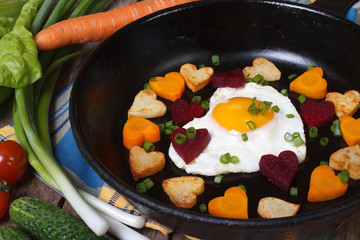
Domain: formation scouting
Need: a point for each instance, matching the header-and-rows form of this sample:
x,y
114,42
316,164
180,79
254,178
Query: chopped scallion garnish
x,y
284,92
290,115
234,160
344,177
149,183
335,128
201,65
148,146
294,191
147,86
205,105
244,137
302,98
141,187
313,132
161,127
310,67
225,158
180,138
276,108
167,131
324,141
295,138
169,124
297,141
251,125
191,133
196,99
203,208
323,163
153,79
215,60
218,178
242,187
292,76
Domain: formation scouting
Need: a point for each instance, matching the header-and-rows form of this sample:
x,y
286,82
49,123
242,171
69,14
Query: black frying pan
x,y
293,36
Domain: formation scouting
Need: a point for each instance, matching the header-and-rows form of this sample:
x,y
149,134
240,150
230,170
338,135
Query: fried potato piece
x,y
183,191
196,79
265,68
345,104
271,207
348,159
146,105
143,164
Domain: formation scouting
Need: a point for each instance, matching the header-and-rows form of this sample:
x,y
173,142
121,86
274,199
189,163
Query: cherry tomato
x,y
13,161
4,197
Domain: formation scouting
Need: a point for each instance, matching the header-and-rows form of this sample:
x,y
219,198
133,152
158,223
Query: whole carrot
x,y
97,27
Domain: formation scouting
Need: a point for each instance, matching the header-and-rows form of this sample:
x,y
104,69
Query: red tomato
x,y
4,198
13,161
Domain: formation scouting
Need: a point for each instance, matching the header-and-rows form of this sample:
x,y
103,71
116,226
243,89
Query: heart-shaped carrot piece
x,y
311,84
234,204
350,129
170,87
325,185
138,130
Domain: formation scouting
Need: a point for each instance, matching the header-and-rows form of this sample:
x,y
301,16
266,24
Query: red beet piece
x,y
279,170
183,112
234,79
190,149
317,113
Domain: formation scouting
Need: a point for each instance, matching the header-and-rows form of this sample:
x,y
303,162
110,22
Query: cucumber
x,y
13,233
43,221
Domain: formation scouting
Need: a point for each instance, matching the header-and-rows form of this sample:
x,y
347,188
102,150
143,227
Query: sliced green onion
x,y
196,99
147,86
251,125
172,128
201,65
258,78
205,105
169,123
310,67
191,133
290,115
253,110
302,98
292,76
215,60
148,183
218,178
276,108
161,127
153,79
288,137
225,158
264,83
141,187
297,141
234,160
242,187
180,138
149,146
313,132
335,128
244,137
284,92
267,103
323,163
167,131
294,191
344,177
203,208
324,141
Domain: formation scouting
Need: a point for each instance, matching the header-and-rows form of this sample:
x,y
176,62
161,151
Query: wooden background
x,y
33,187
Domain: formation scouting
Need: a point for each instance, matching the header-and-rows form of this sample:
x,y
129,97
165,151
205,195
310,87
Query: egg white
x,y
267,139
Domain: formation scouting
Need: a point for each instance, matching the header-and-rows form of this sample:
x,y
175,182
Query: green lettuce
x,y
19,64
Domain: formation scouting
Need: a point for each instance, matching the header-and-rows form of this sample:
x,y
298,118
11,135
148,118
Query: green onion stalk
x,y
30,115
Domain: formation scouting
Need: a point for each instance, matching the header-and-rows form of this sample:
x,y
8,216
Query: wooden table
x,y
31,186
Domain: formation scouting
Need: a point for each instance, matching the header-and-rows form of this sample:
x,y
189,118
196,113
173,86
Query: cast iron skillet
x,y
292,36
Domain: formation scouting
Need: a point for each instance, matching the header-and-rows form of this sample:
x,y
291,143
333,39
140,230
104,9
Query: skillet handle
x,y
337,7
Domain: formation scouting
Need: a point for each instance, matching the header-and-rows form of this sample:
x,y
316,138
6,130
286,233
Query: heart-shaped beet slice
x,y
279,170
183,112
317,113
192,148
234,79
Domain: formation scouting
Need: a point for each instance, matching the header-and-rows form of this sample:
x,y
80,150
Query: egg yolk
x,y
234,114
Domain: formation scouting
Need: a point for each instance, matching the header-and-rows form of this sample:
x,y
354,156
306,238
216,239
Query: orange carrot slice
x,y
350,129
138,130
311,84
170,87
324,185
234,204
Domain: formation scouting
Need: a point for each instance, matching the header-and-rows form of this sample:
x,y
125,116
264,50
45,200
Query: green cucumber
x,y
44,221
13,233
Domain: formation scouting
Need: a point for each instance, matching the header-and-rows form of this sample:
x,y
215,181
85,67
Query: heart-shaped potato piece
x,y
196,79
146,105
183,191
265,68
345,104
348,159
143,164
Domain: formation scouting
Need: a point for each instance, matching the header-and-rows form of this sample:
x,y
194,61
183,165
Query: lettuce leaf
x,y
19,64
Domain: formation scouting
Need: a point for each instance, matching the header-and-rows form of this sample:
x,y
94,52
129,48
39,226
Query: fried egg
x,y
228,119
